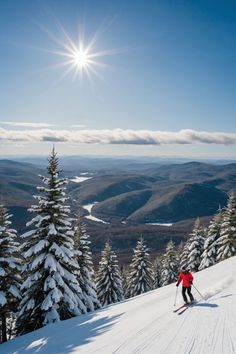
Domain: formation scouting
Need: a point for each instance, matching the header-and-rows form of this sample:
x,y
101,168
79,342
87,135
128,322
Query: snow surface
x,y
79,179
89,207
147,323
159,224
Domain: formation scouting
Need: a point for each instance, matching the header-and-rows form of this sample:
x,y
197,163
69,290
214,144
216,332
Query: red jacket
x,y
187,279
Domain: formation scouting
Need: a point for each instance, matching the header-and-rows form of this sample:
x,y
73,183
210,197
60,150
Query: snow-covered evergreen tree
x,y
183,258
86,271
210,246
195,246
108,279
157,272
9,273
50,290
124,277
140,279
170,264
226,244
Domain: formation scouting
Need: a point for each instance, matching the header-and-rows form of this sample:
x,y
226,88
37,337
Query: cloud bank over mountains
x,y
28,124
118,136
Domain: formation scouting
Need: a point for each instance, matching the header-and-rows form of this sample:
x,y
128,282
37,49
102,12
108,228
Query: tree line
x,y
50,276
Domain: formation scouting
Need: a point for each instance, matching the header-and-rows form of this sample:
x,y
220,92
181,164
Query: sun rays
x,y
78,58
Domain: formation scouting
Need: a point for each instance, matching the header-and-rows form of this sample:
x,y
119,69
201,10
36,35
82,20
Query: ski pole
x,y
176,295
199,292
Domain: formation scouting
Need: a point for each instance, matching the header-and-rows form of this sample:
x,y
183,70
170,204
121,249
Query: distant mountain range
x,y
161,194
129,193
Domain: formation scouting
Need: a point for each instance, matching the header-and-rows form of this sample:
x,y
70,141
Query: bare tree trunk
x,y
4,328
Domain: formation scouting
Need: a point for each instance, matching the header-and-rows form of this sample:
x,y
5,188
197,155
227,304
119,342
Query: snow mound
x,y
147,323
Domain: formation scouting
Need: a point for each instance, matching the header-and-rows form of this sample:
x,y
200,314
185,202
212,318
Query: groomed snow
x,y
147,324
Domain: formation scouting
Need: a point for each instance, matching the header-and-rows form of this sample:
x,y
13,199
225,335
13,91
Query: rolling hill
x,y
168,193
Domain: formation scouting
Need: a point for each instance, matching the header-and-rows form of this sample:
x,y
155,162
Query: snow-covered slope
x,y
147,324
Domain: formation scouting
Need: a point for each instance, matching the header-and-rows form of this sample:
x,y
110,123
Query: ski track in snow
x,y
147,324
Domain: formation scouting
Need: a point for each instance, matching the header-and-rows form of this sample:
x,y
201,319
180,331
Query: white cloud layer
x,y
78,126
118,136
28,124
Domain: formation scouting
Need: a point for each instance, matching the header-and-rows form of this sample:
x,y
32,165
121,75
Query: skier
x,y
187,279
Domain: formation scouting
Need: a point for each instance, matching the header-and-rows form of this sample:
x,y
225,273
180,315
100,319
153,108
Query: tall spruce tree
x,y
86,271
210,246
50,290
226,244
124,277
108,279
195,246
157,272
140,279
170,264
183,258
9,273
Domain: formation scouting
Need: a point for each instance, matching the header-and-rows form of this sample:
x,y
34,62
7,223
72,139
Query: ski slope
x,y
147,323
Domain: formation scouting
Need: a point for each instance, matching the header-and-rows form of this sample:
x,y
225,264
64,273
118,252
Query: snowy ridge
x,y
147,324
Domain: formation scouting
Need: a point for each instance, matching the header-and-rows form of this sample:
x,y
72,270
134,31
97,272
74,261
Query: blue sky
x,y
173,68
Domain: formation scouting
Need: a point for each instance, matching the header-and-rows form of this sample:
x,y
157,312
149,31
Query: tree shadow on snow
x,y
64,337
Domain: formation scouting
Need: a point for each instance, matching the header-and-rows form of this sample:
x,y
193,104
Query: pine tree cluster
x,y
206,247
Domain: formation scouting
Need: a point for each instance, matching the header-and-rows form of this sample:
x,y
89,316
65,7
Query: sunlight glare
x,y
80,58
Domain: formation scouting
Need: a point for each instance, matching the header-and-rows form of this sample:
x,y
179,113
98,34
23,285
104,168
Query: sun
x,y
80,58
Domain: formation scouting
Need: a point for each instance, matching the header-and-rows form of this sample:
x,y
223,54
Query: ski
x,y
191,304
185,308
179,308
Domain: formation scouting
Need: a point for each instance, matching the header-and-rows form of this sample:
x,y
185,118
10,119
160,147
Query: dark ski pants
x,y
188,289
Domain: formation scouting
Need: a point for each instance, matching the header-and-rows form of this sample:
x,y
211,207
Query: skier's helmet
x,y
185,270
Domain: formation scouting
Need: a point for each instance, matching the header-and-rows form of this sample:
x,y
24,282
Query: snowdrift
x,y
147,323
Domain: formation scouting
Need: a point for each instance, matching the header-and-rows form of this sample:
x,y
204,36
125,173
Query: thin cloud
x,y
78,126
28,124
119,136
